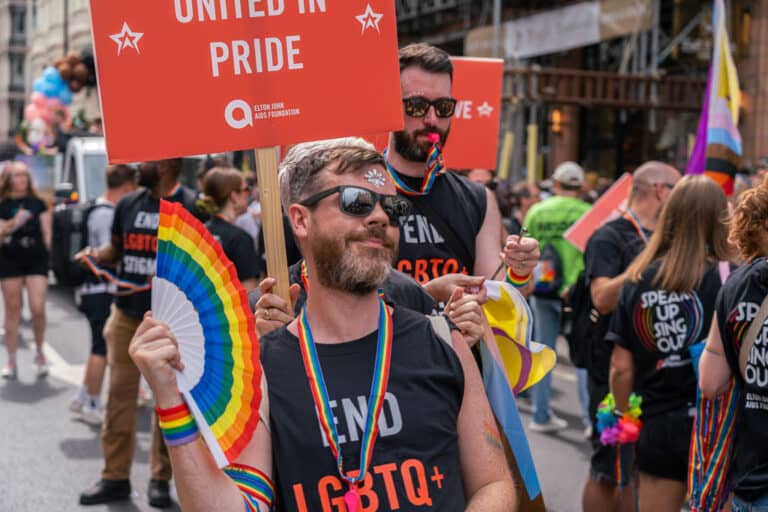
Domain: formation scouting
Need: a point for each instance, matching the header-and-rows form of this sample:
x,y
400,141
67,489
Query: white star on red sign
x,y
127,39
369,19
485,110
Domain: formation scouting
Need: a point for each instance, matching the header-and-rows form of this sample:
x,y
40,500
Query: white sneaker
x,y
42,366
92,414
76,405
588,432
554,424
9,371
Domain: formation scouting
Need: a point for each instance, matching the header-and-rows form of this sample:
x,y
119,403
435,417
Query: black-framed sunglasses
x,y
360,202
418,106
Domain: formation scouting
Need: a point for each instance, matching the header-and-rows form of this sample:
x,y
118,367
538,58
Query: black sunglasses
x,y
360,202
418,106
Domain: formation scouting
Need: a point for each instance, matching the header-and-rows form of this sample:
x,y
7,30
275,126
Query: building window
x,y
17,71
18,24
16,116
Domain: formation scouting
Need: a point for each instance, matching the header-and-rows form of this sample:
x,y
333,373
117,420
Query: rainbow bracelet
x,y
177,425
254,485
516,280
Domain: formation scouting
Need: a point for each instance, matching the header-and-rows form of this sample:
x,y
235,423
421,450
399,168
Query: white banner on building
x,y
553,31
562,29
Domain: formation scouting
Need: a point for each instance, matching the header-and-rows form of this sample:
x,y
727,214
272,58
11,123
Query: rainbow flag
x,y
718,149
711,445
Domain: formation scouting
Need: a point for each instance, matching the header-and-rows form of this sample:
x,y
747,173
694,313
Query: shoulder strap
x,y
454,242
441,328
751,337
724,268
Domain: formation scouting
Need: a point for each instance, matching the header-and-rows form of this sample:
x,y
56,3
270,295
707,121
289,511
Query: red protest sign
x,y
474,138
610,205
199,76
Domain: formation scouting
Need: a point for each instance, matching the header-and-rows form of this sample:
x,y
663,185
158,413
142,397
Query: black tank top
x,y
425,252
415,463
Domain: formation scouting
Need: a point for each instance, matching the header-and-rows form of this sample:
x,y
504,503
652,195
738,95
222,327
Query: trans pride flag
x,y
717,151
511,364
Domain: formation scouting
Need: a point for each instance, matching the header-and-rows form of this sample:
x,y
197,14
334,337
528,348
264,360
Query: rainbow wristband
x,y
254,485
516,280
177,425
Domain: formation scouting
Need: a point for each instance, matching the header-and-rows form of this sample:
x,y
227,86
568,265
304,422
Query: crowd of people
x,y
679,265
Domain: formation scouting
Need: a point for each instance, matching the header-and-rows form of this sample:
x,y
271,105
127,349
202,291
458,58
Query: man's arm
x,y
488,241
488,484
201,485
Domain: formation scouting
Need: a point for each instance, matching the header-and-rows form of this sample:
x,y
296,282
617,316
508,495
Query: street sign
x,y
474,139
193,76
610,206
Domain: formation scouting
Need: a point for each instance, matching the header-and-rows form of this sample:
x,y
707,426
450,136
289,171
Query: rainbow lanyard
x,y
130,287
636,222
305,276
434,168
375,400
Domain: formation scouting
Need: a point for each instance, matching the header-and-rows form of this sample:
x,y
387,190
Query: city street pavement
x,y
47,457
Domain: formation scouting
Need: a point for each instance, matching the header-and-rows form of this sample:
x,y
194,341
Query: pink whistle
x,y
433,137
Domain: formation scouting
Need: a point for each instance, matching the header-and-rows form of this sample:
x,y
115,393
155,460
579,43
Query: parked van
x,y
80,176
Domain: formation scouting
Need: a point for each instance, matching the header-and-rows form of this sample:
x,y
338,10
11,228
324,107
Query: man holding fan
x,y
425,439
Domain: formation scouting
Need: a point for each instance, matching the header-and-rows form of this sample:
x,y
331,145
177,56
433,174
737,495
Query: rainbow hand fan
x,y
197,294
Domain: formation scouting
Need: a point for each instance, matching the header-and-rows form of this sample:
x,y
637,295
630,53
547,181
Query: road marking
x,y
61,369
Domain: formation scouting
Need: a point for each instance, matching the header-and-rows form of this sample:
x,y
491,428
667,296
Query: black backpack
x,y
548,274
580,321
70,235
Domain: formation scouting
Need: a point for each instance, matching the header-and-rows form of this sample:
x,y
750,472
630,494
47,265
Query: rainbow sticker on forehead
x,y
375,178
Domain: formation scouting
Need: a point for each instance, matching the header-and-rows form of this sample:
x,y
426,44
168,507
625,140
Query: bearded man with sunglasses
x,y
404,423
455,225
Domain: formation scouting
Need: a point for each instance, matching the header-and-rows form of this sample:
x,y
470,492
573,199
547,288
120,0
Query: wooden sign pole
x,y
272,220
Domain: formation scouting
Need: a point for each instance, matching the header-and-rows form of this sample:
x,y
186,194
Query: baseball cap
x,y
569,174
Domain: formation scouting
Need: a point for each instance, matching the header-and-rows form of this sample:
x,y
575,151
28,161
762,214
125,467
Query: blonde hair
x,y
690,235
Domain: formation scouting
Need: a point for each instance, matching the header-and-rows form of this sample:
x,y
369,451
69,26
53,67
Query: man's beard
x,y
148,177
357,271
409,148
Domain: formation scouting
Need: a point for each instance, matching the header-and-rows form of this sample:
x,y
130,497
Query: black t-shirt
x,y
27,240
237,245
134,235
737,305
399,288
658,326
415,463
609,252
425,253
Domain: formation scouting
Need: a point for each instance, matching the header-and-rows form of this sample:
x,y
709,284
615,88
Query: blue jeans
x,y
581,375
546,327
759,505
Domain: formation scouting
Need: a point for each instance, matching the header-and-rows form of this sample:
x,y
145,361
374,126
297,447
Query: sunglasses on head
x,y
418,106
360,202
